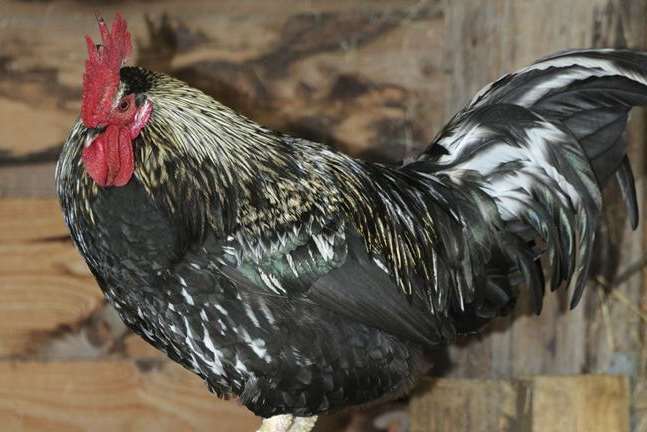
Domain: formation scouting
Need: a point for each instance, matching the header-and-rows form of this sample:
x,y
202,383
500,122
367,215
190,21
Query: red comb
x,y
101,76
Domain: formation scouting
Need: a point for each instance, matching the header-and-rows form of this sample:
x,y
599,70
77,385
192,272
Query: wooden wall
x,y
375,78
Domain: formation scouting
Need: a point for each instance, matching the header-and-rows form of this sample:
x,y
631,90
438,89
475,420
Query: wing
x,y
327,265
540,144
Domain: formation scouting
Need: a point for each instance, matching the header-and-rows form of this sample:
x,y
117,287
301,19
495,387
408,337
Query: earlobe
x,y
140,99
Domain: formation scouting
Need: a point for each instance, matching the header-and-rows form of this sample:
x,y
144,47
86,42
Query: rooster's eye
x,y
123,105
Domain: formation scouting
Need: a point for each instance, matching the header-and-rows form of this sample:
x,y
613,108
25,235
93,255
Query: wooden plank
x,y
44,284
27,180
445,405
33,306
112,396
23,220
590,403
56,257
580,404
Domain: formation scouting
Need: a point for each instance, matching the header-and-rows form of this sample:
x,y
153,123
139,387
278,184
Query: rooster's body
x,y
303,281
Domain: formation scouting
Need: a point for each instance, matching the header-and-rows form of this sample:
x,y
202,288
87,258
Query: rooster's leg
x,y
288,423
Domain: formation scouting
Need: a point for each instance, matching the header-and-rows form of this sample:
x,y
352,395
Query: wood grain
x,y
33,306
589,403
136,347
579,404
23,220
44,284
112,396
458,405
30,180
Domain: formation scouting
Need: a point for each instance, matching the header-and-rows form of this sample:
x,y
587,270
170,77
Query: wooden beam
x,y
588,403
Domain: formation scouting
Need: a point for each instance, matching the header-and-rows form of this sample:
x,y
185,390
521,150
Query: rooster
x,y
302,281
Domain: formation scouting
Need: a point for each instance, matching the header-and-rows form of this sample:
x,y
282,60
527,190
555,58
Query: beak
x,y
92,133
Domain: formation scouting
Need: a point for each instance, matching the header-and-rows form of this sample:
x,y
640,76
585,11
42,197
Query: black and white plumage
x,y
304,281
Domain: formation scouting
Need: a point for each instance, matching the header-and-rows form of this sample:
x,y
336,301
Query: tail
x,y
591,92
539,145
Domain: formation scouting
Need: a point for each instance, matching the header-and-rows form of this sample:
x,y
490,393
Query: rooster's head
x,y
113,112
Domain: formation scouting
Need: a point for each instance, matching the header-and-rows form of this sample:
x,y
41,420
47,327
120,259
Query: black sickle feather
x,y
625,179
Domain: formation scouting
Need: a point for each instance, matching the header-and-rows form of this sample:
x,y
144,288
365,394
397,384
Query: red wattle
x,y
109,159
